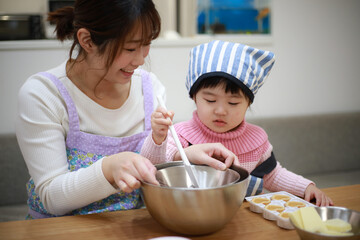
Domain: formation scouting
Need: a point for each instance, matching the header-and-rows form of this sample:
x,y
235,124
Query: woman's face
x,y
129,58
220,111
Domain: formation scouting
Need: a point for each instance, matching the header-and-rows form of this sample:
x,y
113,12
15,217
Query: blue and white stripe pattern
x,y
240,63
255,186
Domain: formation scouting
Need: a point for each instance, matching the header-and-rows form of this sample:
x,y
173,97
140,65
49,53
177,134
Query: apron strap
x,y
148,98
256,176
255,186
265,167
71,108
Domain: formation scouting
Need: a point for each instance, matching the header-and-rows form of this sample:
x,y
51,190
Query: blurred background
x,y
316,43
309,105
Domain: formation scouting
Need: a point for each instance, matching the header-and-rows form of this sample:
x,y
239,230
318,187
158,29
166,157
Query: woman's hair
x,y
109,22
212,82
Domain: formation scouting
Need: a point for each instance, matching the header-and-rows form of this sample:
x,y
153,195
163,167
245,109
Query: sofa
x,y
324,148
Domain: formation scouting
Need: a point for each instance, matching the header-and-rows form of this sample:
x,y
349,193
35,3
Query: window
x,y
188,18
233,16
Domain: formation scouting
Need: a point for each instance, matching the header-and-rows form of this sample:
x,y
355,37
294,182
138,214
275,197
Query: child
x,y
223,79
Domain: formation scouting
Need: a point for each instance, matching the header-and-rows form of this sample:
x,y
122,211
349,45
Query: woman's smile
x,y
127,73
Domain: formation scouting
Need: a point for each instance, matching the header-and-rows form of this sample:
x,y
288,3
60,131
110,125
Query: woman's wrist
x,y
107,170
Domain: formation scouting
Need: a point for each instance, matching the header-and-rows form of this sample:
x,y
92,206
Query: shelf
x,y
252,39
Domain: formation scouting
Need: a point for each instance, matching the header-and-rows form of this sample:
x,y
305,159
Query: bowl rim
x,y
180,163
191,189
206,166
326,235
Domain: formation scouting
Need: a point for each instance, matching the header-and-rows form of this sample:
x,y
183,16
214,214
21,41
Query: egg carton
x,y
276,206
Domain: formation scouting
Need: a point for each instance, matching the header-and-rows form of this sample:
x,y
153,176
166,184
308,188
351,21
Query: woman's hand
x,y
211,154
127,170
160,124
321,198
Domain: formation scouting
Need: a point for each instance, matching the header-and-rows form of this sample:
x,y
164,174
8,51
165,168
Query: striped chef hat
x,y
246,66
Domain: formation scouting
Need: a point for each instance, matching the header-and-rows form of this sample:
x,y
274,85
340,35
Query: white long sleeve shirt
x,y
41,129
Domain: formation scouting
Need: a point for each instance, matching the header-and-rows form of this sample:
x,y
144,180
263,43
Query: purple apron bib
x,y
83,149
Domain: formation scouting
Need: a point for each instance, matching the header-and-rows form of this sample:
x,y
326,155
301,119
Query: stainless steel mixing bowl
x,y
194,211
177,177
348,215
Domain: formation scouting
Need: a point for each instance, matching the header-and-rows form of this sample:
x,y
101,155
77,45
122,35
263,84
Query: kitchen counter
x,y
138,224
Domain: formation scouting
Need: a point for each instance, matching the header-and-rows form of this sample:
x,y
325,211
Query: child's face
x,y
220,111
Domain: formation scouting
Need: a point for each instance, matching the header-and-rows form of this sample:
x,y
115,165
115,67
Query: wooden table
x,y
138,224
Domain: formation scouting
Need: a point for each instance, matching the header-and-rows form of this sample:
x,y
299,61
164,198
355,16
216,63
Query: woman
x,y
81,124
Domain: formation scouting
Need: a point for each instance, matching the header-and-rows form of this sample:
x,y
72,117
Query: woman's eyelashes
x,y
134,48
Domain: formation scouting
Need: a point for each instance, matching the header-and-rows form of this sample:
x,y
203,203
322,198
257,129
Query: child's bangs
x,y
228,85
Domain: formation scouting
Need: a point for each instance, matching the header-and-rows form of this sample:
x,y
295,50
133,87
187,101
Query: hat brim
x,y
231,78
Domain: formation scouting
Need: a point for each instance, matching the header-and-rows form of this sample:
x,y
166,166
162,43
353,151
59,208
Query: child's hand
x,y
321,199
160,124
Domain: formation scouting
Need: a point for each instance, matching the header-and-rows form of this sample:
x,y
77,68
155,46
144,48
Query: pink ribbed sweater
x,y
249,143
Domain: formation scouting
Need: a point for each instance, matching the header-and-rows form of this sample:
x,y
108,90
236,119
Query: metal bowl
x,y
176,177
348,215
194,211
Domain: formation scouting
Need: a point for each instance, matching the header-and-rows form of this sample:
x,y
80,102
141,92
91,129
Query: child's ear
x,y
249,102
193,98
84,38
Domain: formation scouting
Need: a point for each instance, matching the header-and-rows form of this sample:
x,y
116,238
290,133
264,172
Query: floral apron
x,y
83,149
